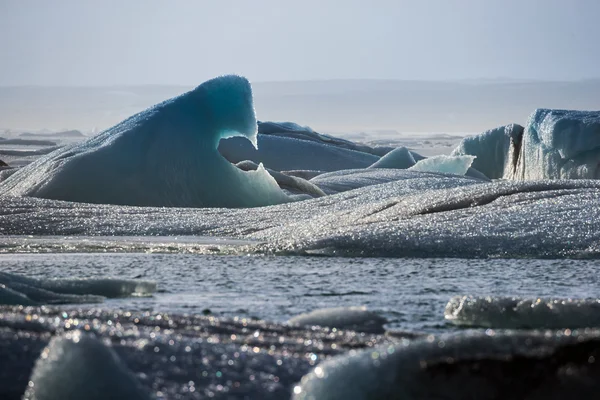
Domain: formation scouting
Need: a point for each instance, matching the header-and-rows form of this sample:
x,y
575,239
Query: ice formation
x,y
399,158
491,365
288,153
559,144
78,366
512,312
164,156
172,356
18,289
456,165
420,215
353,318
494,150
555,144
345,180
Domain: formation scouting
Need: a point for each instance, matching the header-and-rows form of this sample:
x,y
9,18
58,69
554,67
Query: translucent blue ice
x,y
163,156
559,144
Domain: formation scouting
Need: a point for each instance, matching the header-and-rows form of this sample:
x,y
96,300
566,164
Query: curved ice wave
x,y
514,312
546,365
18,289
78,366
163,156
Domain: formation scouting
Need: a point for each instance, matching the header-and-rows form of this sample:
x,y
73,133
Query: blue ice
x,y
163,156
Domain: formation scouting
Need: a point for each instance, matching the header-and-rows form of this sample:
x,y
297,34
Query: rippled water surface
x,y
411,293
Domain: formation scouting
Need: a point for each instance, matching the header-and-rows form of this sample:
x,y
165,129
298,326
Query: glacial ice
x,y
514,312
18,289
423,215
555,144
399,158
457,165
172,356
283,153
163,156
345,180
77,366
293,130
347,318
559,144
493,150
490,365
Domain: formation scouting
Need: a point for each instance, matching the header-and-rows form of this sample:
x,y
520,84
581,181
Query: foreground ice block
x,y
559,144
491,365
163,156
78,366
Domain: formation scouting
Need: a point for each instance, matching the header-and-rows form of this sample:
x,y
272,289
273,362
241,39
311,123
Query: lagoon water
x,y
410,292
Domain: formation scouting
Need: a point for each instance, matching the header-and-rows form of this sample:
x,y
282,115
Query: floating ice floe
x,y
76,366
514,312
17,289
494,365
164,156
351,318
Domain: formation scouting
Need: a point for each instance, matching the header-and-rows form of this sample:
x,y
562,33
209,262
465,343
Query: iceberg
x,y
163,156
494,150
472,365
283,153
559,144
399,158
77,366
519,313
555,144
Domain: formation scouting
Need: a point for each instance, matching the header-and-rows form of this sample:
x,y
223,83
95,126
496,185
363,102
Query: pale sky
x,y
85,42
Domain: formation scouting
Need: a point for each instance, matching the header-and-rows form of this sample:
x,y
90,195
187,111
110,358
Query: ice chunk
x,y
514,312
289,183
293,130
78,366
344,318
456,165
342,181
493,149
491,365
287,153
559,144
106,287
400,158
163,156
61,291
